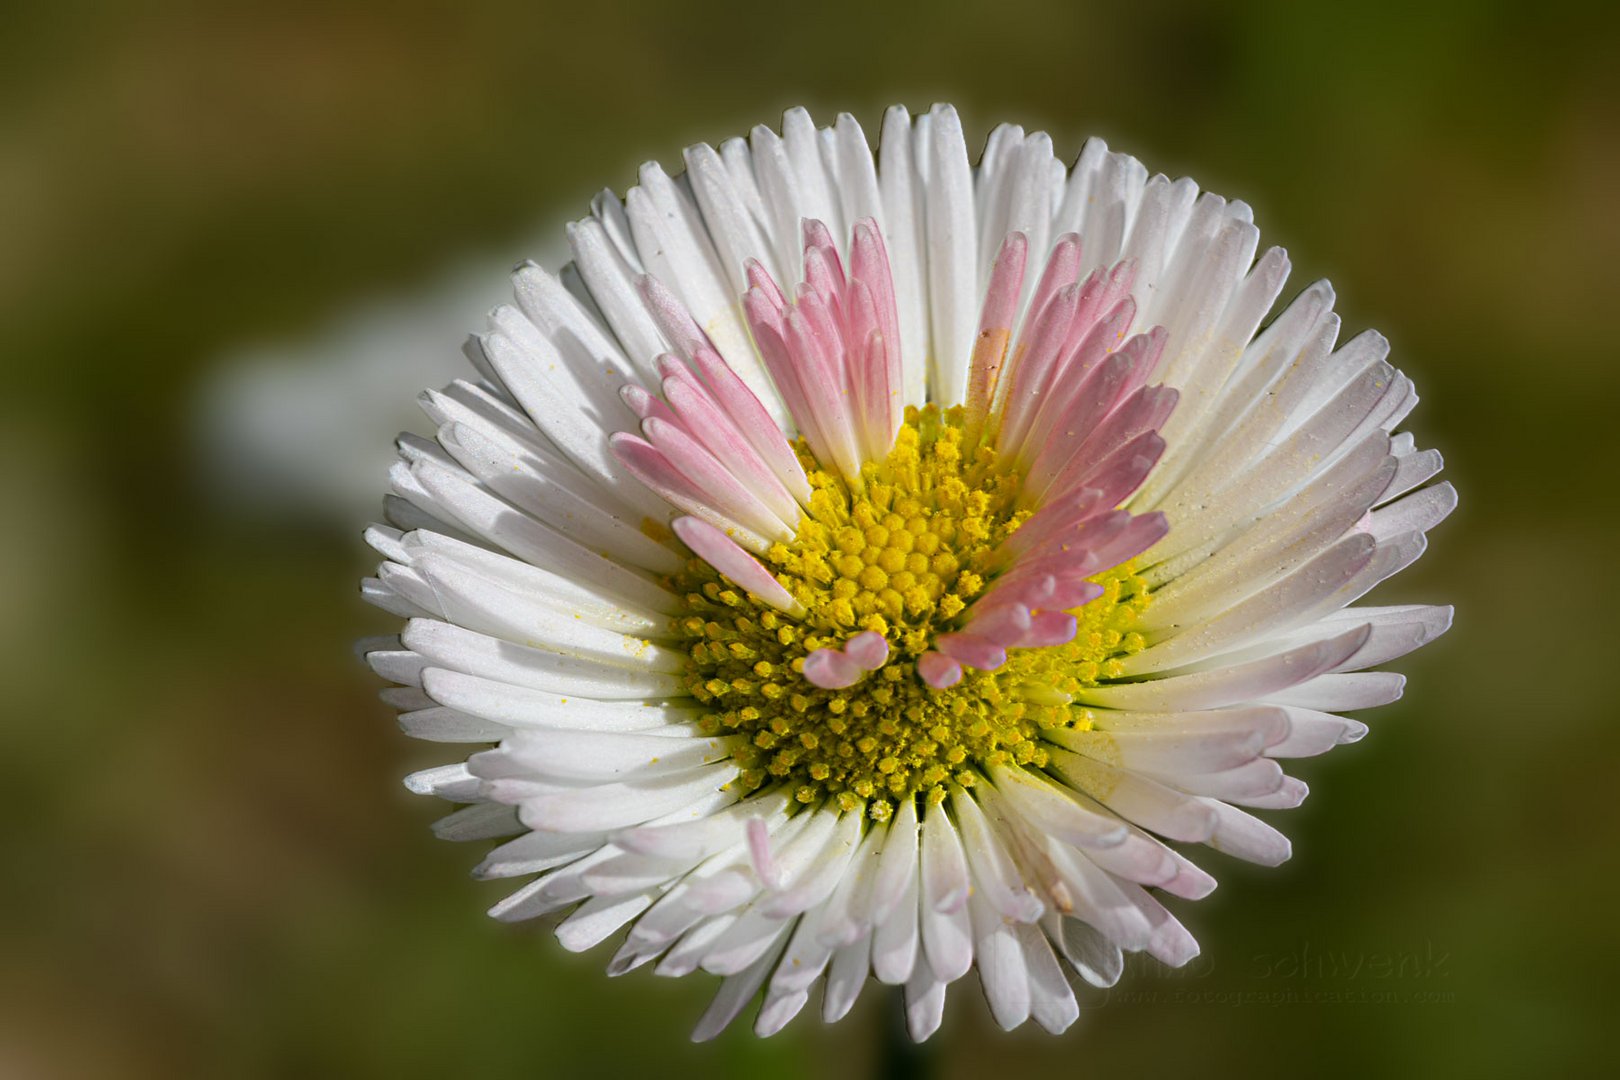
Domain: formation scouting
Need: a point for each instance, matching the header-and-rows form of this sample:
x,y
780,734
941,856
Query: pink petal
x,y
754,422
643,404
722,488
869,649
1003,624
671,315
831,669
1062,270
971,650
704,420
1047,628
721,552
938,670
995,327
760,278
647,464
1034,365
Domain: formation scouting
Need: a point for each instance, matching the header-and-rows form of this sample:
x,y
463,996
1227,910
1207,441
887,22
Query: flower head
x,y
872,567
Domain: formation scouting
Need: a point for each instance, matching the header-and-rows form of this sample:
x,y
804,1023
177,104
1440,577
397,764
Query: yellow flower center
x,y
902,556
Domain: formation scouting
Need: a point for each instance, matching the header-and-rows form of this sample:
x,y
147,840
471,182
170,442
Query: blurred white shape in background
x,y
302,431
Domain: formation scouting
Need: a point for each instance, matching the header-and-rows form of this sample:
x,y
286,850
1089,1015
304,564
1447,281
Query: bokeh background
x,y
238,237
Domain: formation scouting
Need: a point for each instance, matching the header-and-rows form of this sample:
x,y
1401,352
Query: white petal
x,y
450,646
1051,1000
895,941
519,706
1246,837
536,851
616,806
777,1011
843,919
1097,959
700,839
438,724
753,935
602,605
557,494
1055,811
1003,970
452,782
952,263
846,978
476,603
1342,692
897,863
677,250
903,235
945,880
598,918
735,992
947,938
1312,732
1257,679
480,821
806,957
925,1002
1136,798
601,756
612,282
996,876
821,875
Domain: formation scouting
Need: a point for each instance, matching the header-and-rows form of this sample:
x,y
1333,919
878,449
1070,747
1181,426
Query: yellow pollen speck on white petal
x,y
904,556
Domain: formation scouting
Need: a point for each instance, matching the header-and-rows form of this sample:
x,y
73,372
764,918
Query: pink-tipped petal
x,y
1003,624
759,852
878,399
820,282
995,328
831,669
698,413
1074,376
649,465
1113,465
1118,475
823,269
1059,516
1075,592
643,404
1062,270
818,238
1048,628
938,670
769,326
1032,368
674,321
754,422
1023,592
760,278
869,649
869,265
730,560
971,650
1100,297
869,268
821,373
1071,415
709,476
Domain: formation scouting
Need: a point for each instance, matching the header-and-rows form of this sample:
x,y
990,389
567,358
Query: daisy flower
x,y
881,566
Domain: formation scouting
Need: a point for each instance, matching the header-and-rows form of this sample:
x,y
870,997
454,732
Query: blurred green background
x,y
211,868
